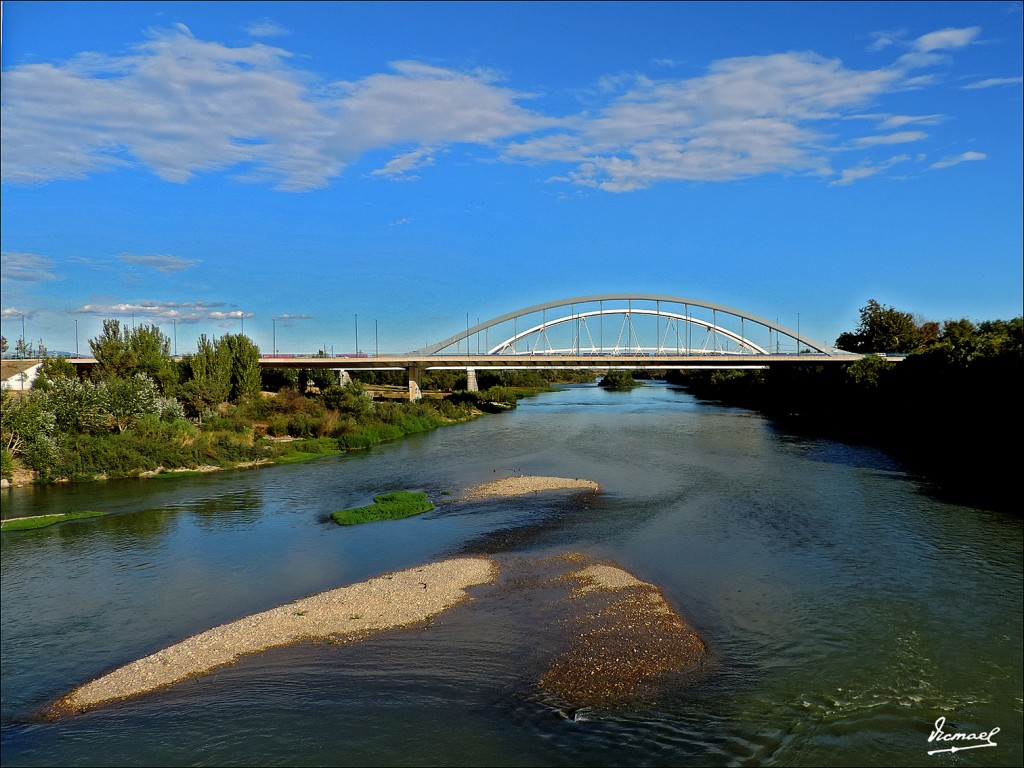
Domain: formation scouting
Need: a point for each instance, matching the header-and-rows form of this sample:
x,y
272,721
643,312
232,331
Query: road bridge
x,y
606,331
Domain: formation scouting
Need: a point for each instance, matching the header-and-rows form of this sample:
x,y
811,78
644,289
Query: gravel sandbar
x,y
624,644
386,602
523,484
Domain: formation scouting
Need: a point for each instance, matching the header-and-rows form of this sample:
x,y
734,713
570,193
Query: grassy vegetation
x,y
386,506
42,521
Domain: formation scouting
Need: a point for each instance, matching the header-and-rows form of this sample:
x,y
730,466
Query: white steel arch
x,y
715,326
508,346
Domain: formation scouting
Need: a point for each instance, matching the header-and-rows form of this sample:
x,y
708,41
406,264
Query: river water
x,y
845,608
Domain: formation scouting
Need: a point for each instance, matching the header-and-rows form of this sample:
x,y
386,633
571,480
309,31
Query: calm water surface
x,y
846,609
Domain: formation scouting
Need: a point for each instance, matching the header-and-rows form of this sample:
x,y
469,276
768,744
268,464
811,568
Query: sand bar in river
x,y
393,600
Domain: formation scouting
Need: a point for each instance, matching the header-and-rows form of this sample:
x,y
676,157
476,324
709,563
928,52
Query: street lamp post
x,y
76,338
357,334
274,346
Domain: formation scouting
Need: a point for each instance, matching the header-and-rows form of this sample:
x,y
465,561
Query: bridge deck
x,y
482,361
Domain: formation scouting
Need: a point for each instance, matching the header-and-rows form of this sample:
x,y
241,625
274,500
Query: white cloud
x,y
995,81
26,267
964,157
902,137
165,264
182,106
946,38
11,313
294,317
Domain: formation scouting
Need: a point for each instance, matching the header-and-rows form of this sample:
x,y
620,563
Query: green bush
x,y
386,506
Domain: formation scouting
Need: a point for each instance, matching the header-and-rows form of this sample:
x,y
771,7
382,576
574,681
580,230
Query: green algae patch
x,y
42,521
386,506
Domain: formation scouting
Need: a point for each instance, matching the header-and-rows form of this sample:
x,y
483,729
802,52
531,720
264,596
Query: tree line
x,y
141,409
951,409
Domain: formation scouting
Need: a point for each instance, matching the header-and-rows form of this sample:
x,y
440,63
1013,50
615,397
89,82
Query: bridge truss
x,y
628,324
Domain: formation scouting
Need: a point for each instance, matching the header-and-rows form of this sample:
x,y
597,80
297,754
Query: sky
x,y
301,170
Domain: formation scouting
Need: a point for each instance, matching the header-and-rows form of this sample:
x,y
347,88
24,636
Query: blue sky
x,y
214,165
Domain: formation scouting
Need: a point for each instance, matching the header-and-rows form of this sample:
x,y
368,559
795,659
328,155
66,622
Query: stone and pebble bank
x,y
623,644
355,612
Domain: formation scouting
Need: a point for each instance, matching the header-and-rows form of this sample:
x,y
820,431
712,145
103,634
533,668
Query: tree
x,y
53,368
882,329
113,352
3,345
129,399
246,380
77,406
152,352
27,431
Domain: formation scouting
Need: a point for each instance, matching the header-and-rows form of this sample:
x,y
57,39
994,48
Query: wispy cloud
x,y
993,82
964,157
165,264
26,267
866,170
11,313
266,28
183,106
294,317
403,166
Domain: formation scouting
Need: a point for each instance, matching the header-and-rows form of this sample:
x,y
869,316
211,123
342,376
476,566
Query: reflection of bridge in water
x,y
608,331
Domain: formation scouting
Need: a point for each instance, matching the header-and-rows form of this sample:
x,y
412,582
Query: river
x,y
845,607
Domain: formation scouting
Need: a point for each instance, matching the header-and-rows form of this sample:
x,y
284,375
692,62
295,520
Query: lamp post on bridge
x,y
274,346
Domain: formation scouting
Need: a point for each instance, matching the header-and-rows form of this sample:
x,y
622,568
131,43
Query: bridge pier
x,y
343,377
471,385
415,382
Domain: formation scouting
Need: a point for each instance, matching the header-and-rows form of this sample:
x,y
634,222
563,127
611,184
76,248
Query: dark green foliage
x,y
386,506
882,329
276,379
444,380
349,399
620,380
381,378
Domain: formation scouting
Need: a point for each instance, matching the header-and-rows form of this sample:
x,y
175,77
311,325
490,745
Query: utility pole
x,y
76,338
274,321
357,334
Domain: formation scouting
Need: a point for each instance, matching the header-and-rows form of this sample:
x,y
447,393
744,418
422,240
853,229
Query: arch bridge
x,y
606,331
